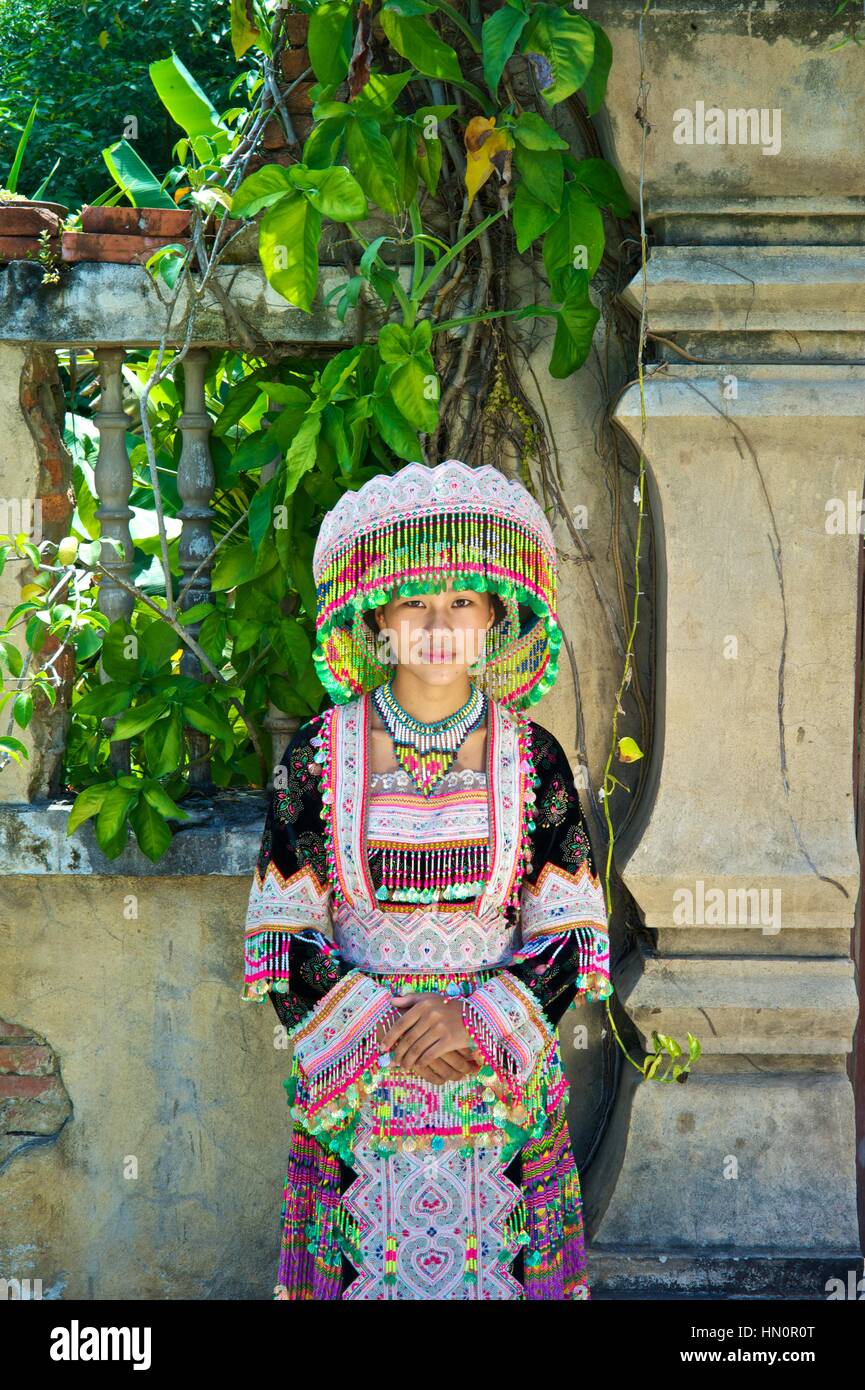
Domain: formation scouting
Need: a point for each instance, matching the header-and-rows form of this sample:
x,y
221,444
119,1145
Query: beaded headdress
x,y
425,528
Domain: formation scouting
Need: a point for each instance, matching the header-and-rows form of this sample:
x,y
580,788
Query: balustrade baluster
x,y
113,480
195,483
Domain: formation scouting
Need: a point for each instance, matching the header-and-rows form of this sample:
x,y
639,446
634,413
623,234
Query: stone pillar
x,y
742,1181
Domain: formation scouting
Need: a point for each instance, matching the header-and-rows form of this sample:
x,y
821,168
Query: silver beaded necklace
x,y
426,751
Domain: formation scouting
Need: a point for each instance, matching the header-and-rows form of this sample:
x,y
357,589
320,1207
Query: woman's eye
x,y
409,602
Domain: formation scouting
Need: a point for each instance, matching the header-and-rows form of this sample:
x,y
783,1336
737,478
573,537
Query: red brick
x,y
159,222
23,1087
21,1060
122,250
22,220
14,1030
18,248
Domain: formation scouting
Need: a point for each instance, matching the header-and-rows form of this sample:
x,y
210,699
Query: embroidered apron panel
x,y
447,1215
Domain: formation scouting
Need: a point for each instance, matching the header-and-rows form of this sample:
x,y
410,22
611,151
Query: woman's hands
x,y
430,1039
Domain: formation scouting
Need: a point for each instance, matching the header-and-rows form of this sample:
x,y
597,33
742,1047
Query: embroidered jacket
x,y
330,946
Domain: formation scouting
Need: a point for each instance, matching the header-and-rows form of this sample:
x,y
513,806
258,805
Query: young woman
x,y
426,906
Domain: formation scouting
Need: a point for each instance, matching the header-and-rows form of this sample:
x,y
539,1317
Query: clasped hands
x,y
430,1039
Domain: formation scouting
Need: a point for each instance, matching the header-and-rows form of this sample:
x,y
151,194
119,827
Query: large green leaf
x,y
135,721
324,143
120,653
578,225
595,86
565,47
104,700
543,174
602,183
499,39
151,832
576,325
395,429
133,177
261,513
235,564
186,103
372,162
381,91
157,643
404,143
302,454
335,192
531,217
260,190
171,746
292,643
414,388
532,130
416,40
111,819
288,238
208,721
86,804
159,799
329,40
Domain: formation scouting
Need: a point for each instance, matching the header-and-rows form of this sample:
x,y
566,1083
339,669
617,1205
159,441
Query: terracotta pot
x,y
124,249
147,222
27,219
24,248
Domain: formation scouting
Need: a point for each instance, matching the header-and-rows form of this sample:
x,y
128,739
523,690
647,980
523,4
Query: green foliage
x,y
325,425
87,61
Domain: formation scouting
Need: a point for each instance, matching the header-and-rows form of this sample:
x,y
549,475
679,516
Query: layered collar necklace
x,y
426,751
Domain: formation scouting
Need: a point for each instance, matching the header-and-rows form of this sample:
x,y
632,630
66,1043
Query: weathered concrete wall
x,y
165,1179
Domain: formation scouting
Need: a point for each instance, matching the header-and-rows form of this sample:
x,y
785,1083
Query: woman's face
x,y
438,634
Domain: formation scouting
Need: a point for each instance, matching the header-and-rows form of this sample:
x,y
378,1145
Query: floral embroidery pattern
x,y
543,748
288,800
289,1008
555,803
575,846
321,972
311,850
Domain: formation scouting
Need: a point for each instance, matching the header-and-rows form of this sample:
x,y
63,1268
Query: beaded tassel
x,y
389,1276
453,871
470,1264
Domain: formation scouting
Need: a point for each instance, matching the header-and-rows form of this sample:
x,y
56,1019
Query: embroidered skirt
x,y
426,1225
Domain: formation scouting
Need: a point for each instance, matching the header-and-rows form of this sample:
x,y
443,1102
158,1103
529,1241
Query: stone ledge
x,y
223,838
744,1004
754,289
108,305
719,1274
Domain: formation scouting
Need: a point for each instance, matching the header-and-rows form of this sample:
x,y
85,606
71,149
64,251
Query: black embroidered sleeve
x,y
565,944
289,950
